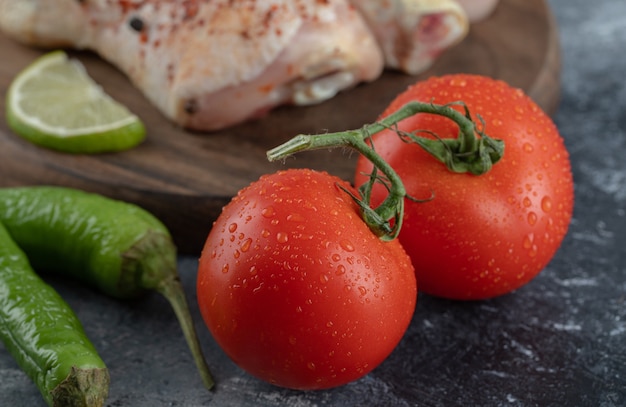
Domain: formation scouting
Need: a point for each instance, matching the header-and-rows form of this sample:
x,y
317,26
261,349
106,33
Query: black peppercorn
x,y
136,24
191,106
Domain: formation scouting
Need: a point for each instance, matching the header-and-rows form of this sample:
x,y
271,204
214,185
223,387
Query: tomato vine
x,y
466,153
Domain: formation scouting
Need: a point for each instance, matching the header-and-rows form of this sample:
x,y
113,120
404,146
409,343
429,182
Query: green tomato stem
x,y
466,153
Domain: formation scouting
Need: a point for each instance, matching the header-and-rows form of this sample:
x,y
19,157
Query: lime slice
x,y
54,103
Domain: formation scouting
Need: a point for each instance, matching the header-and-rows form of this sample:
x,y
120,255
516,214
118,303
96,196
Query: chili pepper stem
x,y
466,153
172,290
159,273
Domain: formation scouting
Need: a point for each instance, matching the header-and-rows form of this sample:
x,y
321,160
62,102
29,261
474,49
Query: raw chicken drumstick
x,y
209,64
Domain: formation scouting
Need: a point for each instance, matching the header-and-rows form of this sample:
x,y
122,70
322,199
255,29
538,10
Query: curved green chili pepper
x,y
115,246
44,335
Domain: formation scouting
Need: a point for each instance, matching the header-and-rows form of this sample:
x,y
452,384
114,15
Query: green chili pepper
x,y
44,335
115,246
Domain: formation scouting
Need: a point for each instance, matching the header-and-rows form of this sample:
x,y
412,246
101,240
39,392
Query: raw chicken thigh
x,y
210,64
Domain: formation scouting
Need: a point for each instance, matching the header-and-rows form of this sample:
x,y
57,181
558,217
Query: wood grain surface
x,y
185,178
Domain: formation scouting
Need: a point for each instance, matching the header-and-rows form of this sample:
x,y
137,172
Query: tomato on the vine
x,y
478,236
296,288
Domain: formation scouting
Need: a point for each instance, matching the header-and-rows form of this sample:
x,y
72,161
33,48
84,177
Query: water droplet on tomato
x,y
528,241
310,365
346,245
528,147
362,290
245,246
458,82
268,212
282,237
341,269
336,257
532,218
324,278
295,217
546,204
265,233
232,227
225,268
527,202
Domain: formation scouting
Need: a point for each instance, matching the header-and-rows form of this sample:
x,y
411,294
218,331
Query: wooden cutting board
x,y
186,178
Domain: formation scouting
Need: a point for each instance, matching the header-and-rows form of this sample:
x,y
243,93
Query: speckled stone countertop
x,y
559,341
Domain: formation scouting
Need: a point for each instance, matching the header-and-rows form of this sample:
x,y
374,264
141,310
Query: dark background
x,y
559,341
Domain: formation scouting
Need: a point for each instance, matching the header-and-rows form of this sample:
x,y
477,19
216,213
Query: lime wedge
x,y
56,104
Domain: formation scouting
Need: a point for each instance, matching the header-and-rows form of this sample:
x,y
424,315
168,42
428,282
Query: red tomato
x,y
480,236
295,287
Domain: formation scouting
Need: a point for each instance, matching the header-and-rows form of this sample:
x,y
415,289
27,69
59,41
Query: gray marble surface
x,y
559,341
